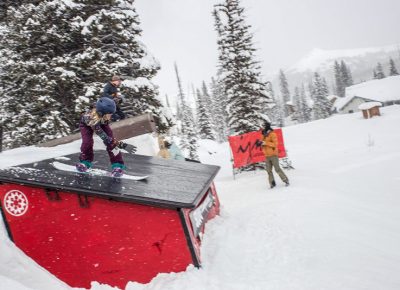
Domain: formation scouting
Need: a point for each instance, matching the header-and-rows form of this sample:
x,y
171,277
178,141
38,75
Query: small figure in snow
x,y
96,120
270,150
169,150
175,152
164,145
111,91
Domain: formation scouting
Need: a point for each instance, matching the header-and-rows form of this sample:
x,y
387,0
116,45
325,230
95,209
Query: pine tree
x,y
374,74
189,138
219,101
340,86
64,51
303,111
284,89
203,117
379,71
240,72
322,106
343,78
34,112
298,116
392,68
347,78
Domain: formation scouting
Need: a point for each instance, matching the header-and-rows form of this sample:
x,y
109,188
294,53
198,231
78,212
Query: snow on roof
x,y
387,89
369,105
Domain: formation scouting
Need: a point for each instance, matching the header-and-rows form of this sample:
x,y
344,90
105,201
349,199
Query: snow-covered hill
x,y
361,62
335,227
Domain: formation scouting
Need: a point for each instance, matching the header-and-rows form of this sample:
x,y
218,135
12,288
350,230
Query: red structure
x,y
246,150
85,228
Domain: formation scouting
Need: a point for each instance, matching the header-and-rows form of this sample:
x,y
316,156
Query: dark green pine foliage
x,y
34,113
111,46
392,68
285,93
322,106
59,55
240,72
203,117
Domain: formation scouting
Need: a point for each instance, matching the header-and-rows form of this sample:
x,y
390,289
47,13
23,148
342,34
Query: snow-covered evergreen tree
x,y
346,74
34,111
220,116
392,68
302,110
203,116
306,110
240,71
189,136
343,78
379,71
374,74
285,93
64,51
322,106
339,85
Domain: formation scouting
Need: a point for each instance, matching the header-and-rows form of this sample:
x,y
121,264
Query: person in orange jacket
x,y
270,150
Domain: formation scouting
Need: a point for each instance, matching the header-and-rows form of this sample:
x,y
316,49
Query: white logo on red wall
x,y
15,203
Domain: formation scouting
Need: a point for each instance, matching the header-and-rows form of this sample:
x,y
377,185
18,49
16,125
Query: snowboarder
x,y
111,91
96,120
270,150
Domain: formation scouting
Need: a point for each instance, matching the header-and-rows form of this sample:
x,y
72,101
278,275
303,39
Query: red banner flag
x,y
246,151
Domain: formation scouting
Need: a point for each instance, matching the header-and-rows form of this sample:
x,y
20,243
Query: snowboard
x,y
94,172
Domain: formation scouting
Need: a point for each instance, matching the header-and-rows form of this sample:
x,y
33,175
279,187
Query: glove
x,y
122,145
128,147
259,143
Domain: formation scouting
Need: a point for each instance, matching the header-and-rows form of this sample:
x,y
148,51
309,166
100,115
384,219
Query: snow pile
x,y
335,227
383,90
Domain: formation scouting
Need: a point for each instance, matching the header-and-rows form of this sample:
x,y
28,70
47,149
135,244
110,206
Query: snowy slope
x,y
336,227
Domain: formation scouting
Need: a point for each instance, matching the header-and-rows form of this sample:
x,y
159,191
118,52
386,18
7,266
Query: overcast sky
x,y
182,31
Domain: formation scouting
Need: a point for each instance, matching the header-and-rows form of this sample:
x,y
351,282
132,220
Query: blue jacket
x,y
110,91
175,152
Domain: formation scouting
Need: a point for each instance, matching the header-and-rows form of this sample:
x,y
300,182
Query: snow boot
x,y
117,169
273,184
83,166
287,183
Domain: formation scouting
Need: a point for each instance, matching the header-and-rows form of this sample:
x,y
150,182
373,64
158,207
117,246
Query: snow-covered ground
x,y
336,227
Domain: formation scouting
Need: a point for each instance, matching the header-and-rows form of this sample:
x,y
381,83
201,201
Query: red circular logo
x,y
16,203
